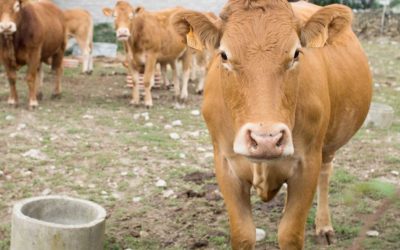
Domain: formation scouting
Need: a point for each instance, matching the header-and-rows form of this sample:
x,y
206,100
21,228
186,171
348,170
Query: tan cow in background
x,y
31,33
80,26
150,39
280,99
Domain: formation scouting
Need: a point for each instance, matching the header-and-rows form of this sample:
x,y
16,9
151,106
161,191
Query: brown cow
x,y
31,33
80,26
279,101
149,38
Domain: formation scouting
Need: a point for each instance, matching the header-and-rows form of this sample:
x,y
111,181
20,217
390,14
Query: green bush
x,y
104,33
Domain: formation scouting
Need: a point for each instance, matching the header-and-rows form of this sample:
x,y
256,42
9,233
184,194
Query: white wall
x,y
95,6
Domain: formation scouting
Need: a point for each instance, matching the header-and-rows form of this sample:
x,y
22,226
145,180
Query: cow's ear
x,y
107,11
326,26
138,10
208,33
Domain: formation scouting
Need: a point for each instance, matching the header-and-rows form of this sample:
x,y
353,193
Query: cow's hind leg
x,y
57,67
164,76
186,67
323,225
39,82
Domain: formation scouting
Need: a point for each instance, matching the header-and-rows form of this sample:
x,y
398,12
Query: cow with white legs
x,y
149,38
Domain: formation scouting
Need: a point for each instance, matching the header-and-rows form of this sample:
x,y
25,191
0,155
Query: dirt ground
x,y
161,193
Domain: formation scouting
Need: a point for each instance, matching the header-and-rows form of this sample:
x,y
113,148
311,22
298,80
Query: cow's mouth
x,y
123,37
261,159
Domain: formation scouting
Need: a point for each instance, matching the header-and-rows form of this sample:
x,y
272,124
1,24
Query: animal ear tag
x,y
193,40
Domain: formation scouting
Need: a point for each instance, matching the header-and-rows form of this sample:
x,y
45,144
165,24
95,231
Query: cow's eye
x,y
296,55
224,56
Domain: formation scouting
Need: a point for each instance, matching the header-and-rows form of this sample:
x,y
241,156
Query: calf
x,y
150,39
31,33
79,25
280,99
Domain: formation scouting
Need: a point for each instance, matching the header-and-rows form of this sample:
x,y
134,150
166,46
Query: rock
x,y
260,234
195,112
1,173
21,126
200,149
174,136
47,191
168,193
91,186
124,173
149,125
177,123
372,233
136,199
103,192
136,116
13,135
9,118
145,115
195,134
182,156
161,183
35,154
395,173
167,126
116,196
88,117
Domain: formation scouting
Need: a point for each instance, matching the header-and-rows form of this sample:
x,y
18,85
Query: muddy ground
x,y
91,144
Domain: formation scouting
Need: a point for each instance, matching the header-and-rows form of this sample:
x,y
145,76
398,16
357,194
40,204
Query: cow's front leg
x,y
300,194
323,225
147,79
12,79
175,79
39,83
31,78
236,193
58,68
135,81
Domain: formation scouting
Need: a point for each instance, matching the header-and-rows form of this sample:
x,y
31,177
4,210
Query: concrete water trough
x,y
57,223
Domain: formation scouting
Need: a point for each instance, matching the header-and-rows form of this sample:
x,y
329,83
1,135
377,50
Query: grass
x,y
90,138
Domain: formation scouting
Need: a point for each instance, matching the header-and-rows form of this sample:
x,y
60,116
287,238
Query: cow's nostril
x,y
279,143
253,142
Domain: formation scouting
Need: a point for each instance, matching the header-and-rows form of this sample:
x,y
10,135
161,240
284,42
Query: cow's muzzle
x,y
8,28
123,34
259,142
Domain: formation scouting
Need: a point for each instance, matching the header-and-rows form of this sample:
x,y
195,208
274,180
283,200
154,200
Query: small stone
x,y
182,156
116,196
103,192
124,173
260,234
149,125
372,233
177,123
8,177
47,191
161,183
9,117
209,155
136,116
26,173
88,117
195,134
136,199
1,173
91,186
195,112
174,136
144,148
167,126
21,126
168,193
395,173
35,154
200,149
13,135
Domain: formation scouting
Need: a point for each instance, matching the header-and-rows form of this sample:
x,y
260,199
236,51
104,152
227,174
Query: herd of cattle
x,y
287,85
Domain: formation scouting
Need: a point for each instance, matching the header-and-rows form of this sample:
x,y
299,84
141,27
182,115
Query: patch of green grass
x,y
375,189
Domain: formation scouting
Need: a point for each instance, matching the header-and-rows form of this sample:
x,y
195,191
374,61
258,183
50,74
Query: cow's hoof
x,y
33,105
134,104
89,72
326,237
39,96
12,103
199,92
148,106
56,96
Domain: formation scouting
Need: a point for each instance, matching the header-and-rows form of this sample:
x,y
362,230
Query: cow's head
x,y
123,14
9,14
260,56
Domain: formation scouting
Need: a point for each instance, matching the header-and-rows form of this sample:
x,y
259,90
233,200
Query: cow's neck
x,y
7,45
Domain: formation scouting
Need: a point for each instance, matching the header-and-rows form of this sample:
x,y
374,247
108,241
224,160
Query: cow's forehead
x,y
254,31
